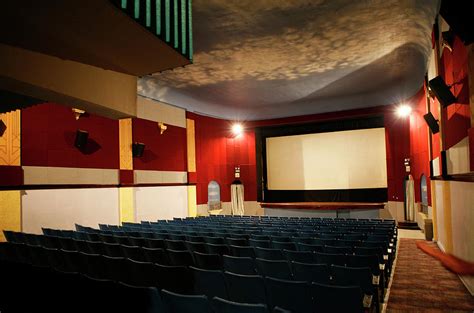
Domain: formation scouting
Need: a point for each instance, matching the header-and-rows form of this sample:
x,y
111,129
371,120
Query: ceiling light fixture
x,y
403,110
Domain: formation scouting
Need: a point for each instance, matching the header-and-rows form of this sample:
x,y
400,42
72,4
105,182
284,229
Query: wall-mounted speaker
x,y
441,91
432,122
81,139
137,149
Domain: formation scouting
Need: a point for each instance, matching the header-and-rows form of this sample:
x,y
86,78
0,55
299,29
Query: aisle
x,y
422,284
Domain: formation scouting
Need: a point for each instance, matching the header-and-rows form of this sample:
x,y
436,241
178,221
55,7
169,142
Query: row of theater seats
x,y
277,264
179,252
285,264
30,288
47,287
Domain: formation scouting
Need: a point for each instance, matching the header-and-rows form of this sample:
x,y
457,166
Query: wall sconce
x,y
407,165
78,113
162,127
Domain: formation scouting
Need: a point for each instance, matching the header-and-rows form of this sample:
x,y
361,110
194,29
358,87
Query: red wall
x,y
163,152
48,134
419,152
217,153
454,70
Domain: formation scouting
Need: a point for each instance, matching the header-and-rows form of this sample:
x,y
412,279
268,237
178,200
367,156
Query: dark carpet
x,y
422,284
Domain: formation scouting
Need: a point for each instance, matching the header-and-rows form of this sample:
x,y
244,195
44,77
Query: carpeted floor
x,y
422,284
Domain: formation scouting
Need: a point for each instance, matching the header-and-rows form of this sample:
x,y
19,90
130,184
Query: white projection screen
x,y
352,159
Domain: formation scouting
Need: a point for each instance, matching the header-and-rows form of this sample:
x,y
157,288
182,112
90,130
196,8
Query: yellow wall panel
x,y
192,202
191,142
434,208
126,203
125,143
11,139
448,245
10,211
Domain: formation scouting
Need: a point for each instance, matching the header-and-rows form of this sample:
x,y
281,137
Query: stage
x,y
324,209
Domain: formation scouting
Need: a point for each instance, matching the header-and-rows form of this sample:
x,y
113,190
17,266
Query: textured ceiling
x,y
264,59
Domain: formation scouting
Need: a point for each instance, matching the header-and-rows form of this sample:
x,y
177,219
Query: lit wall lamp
x,y
237,129
403,110
78,113
162,127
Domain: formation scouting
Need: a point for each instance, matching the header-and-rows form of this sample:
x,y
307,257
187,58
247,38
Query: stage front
x,y
324,209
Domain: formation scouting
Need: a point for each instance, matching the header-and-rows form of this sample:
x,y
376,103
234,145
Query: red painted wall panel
x,y
455,72
217,153
48,134
163,152
419,153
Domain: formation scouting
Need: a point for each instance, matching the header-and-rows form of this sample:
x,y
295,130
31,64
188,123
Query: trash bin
x,y
428,229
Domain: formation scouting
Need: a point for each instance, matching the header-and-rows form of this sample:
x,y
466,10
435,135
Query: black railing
x,y
169,20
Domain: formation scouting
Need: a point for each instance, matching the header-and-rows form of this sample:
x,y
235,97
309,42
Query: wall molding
x,y
43,187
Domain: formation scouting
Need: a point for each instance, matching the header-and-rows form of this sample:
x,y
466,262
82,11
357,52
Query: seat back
x,y
157,256
242,251
178,245
295,296
269,254
245,288
283,245
179,303
207,261
209,282
329,298
311,272
178,257
330,258
196,246
239,265
273,268
353,276
225,306
299,256
259,243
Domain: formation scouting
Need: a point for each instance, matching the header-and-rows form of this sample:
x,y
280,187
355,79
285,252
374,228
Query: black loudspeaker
x,y
81,139
137,149
441,91
432,122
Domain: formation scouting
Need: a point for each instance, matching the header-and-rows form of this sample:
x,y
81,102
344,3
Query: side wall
x,y
57,185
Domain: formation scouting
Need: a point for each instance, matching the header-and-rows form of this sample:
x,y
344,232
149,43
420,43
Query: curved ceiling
x,y
265,59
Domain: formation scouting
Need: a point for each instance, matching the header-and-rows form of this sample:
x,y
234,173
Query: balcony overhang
x,y
93,32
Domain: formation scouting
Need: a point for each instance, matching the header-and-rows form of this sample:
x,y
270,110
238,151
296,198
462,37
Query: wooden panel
x,y
192,203
127,207
10,142
156,111
125,144
10,211
159,177
39,175
191,142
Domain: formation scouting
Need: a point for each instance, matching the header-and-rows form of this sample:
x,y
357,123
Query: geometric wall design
x,y
10,141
